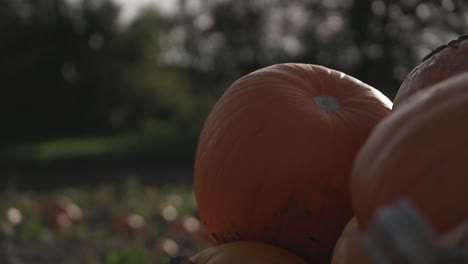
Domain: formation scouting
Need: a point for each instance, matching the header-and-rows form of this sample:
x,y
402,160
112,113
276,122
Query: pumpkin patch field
x,y
296,163
233,132
103,224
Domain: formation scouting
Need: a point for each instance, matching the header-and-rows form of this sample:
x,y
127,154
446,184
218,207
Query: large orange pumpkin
x,y
246,252
419,152
349,248
275,154
444,62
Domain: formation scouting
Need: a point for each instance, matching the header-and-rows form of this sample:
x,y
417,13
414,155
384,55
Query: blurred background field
x,y
102,103
109,223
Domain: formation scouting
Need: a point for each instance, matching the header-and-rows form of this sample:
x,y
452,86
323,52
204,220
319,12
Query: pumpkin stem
x,y
398,225
454,44
400,234
327,102
180,260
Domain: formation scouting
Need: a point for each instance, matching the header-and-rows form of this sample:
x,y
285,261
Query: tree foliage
x,y
72,67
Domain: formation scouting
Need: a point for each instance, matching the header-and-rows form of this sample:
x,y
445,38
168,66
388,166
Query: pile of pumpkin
x,y
294,160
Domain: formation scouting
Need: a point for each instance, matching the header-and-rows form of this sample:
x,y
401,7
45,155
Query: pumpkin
x,y
245,252
62,213
275,154
419,152
348,248
444,62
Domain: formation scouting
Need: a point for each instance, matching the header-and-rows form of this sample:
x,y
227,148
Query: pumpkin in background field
x,y
246,253
419,152
444,62
275,154
348,248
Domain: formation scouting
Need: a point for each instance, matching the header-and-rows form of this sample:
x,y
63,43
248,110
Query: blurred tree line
x,y
73,68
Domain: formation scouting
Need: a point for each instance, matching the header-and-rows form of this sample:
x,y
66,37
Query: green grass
x,y
167,142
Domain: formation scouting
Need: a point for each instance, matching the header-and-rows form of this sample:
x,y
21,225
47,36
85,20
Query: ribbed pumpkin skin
x,y
348,249
448,62
246,252
419,152
274,166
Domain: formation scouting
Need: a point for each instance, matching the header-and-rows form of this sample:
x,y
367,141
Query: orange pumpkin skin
x,y
348,248
444,62
273,164
246,252
419,152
